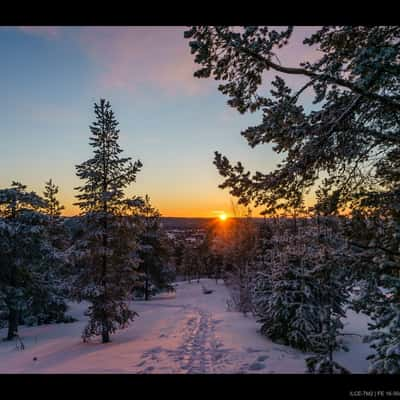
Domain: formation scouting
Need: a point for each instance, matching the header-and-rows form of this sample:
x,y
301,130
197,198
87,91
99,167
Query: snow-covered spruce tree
x,y
286,301
154,252
301,288
49,292
385,338
56,229
24,247
105,256
332,278
374,236
277,296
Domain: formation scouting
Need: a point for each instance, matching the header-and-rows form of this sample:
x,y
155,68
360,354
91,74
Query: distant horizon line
x,y
217,218
169,216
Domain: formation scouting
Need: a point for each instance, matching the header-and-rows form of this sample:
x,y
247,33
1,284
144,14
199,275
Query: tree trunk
x,y
105,335
146,288
240,289
330,348
13,315
12,324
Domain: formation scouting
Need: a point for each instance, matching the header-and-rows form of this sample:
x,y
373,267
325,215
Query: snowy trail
x,y
194,354
185,333
199,347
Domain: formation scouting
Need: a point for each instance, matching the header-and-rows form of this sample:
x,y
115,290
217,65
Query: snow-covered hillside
x,y
184,332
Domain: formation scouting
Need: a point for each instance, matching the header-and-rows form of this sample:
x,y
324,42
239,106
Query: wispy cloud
x,y
135,58
132,57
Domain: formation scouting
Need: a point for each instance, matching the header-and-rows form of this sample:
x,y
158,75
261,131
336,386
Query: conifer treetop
x,y
106,174
54,207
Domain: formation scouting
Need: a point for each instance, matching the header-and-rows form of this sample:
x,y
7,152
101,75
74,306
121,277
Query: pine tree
x,y
350,134
373,234
154,251
286,302
374,237
54,207
24,246
106,254
385,337
301,290
56,228
333,283
334,279
49,294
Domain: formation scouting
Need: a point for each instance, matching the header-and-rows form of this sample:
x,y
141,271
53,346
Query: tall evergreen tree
x,y
54,207
56,228
48,297
302,289
154,251
374,238
23,244
106,254
332,280
286,301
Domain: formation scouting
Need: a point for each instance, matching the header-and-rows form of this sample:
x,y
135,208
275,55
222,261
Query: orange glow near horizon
x,y
173,212
185,211
192,207
195,206
223,217
196,213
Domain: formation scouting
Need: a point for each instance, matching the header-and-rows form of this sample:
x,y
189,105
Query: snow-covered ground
x,y
183,332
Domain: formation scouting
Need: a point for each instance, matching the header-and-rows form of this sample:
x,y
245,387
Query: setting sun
x,y
223,217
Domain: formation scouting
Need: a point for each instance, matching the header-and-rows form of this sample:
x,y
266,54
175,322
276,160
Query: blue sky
x,y
171,121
